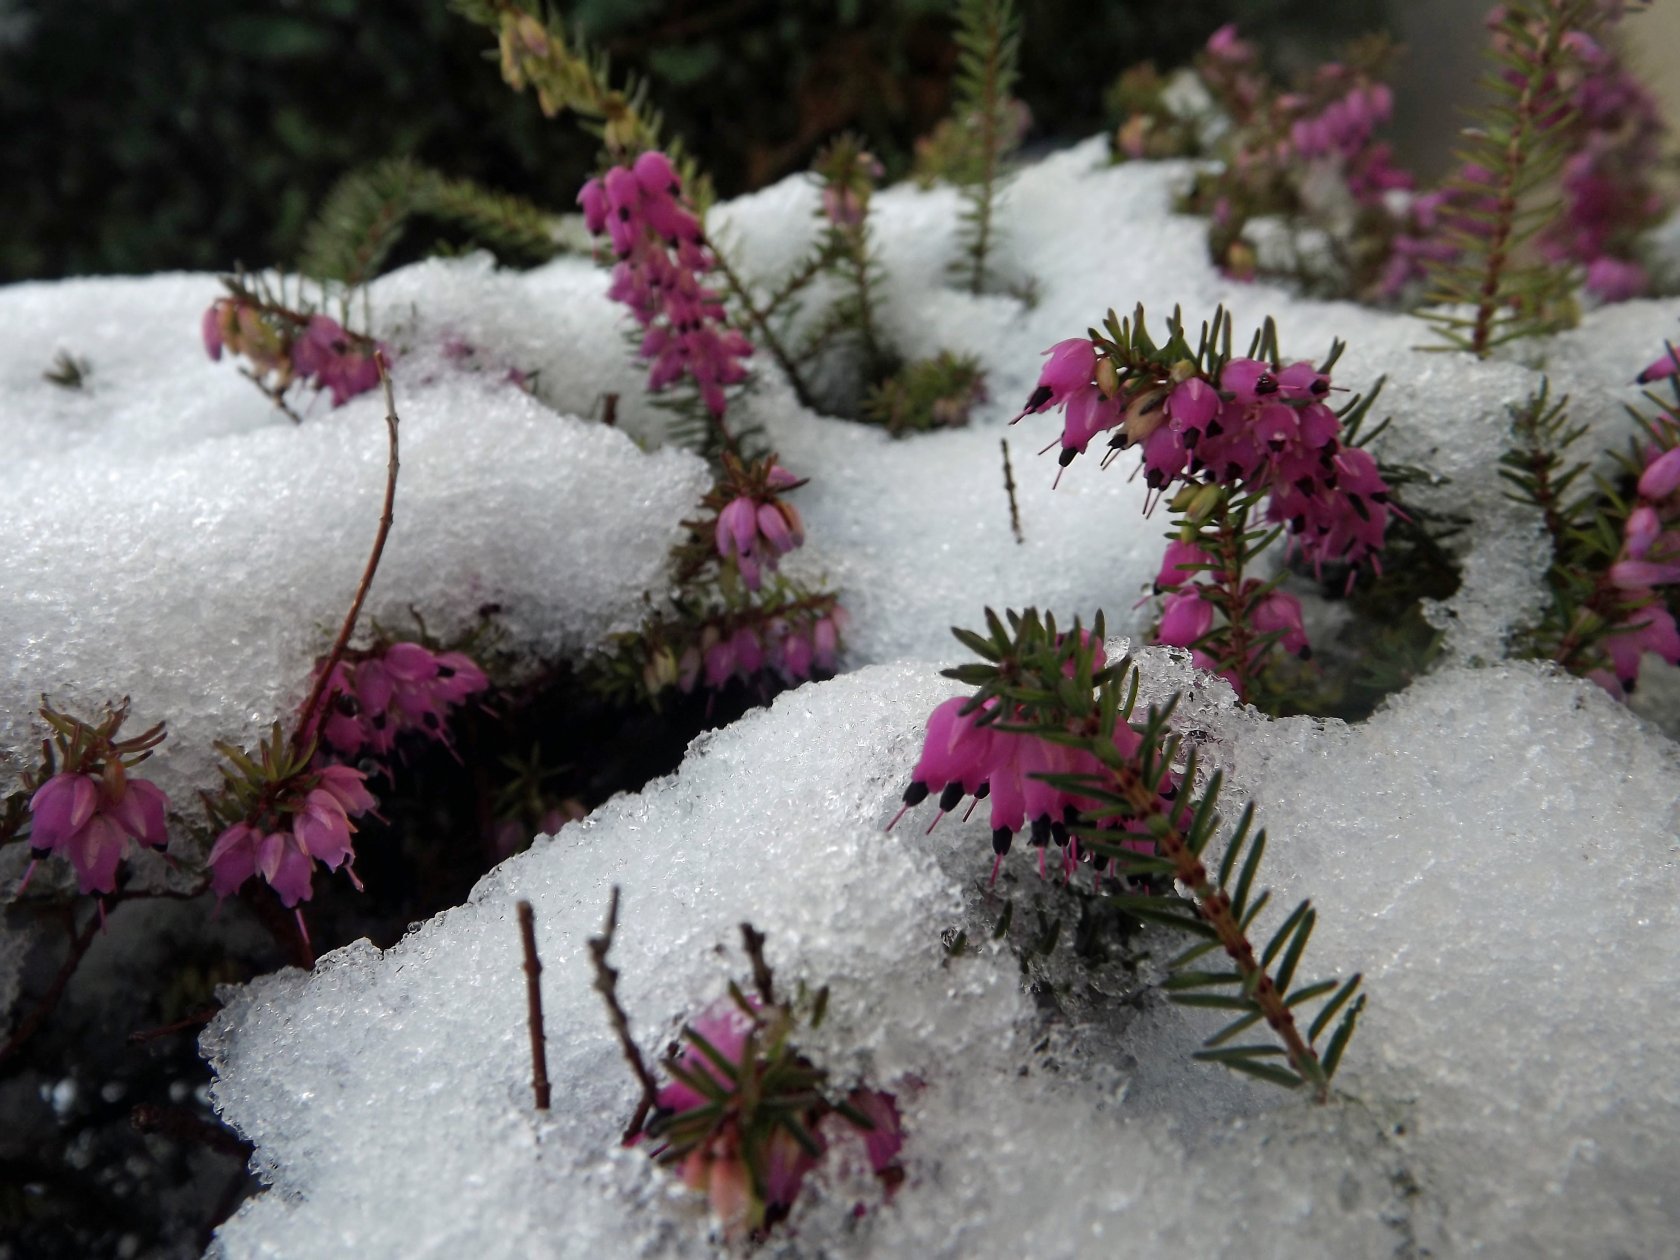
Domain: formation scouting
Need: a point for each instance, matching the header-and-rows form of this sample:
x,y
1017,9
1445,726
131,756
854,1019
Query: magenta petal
x,y
233,860
95,851
348,787
293,876
143,813
1661,476
60,807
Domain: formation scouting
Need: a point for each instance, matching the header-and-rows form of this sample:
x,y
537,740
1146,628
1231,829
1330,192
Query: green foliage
x,y
935,393
1501,191
1046,684
367,212
988,41
1584,516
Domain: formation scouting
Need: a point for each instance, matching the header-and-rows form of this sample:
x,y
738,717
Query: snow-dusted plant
x,y
1050,740
743,1116
1223,434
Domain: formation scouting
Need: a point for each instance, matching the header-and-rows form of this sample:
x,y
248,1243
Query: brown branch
x,y
752,940
1009,489
197,1019
606,984
761,322
1525,118
79,946
1215,908
186,1126
386,517
533,1006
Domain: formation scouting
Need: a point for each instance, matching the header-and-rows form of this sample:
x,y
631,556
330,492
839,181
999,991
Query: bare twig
x,y
197,1019
1009,489
752,940
533,1006
606,984
386,516
79,945
761,322
186,1126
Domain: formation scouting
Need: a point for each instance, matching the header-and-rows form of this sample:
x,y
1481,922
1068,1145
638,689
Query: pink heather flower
x,y
662,255
1186,618
311,823
886,1139
964,756
1668,365
405,687
1661,476
1280,612
211,328
1648,628
1180,565
89,821
330,358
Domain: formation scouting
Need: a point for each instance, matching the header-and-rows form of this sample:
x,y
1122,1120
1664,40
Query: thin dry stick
x,y
386,516
752,940
79,944
1009,489
606,984
533,1006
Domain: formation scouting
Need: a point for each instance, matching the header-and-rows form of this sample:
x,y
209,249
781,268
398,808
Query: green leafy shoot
x,y
366,214
988,39
1034,680
1491,292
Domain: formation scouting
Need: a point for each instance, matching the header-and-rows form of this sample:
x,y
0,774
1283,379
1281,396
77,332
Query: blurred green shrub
x,y
152,134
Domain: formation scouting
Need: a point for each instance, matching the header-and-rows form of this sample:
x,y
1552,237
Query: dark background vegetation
x,y
145,135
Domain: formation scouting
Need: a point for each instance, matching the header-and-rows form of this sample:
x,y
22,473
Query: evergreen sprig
x,y
1584,516
366,213
1499,194
1047,685
988,39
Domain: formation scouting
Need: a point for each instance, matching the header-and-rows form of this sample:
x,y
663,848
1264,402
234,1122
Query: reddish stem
x,y
386,516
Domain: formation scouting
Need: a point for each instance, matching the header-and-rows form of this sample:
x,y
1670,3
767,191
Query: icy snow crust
x,y
1496,850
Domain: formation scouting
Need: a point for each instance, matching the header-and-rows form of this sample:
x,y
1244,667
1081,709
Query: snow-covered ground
x,y
1496,850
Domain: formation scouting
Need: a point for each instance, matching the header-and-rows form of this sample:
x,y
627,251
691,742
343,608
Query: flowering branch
x,y
988,42
1048,738
1516,145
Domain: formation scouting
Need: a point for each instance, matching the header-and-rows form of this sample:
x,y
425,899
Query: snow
x,y
1509,902
1495,849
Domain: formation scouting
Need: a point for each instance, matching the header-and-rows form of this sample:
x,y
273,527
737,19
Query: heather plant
x,y
1049,740
986,124
368,212
1223,434
286,341
1615,569
731,615
743,1117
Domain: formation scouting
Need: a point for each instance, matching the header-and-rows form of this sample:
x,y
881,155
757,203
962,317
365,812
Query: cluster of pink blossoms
x,y
662,255
757,527
376,696
88,819
1187,614
719,1167
306,821
1257,425
965,754
794,643
1616,130
1650,557
285,346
